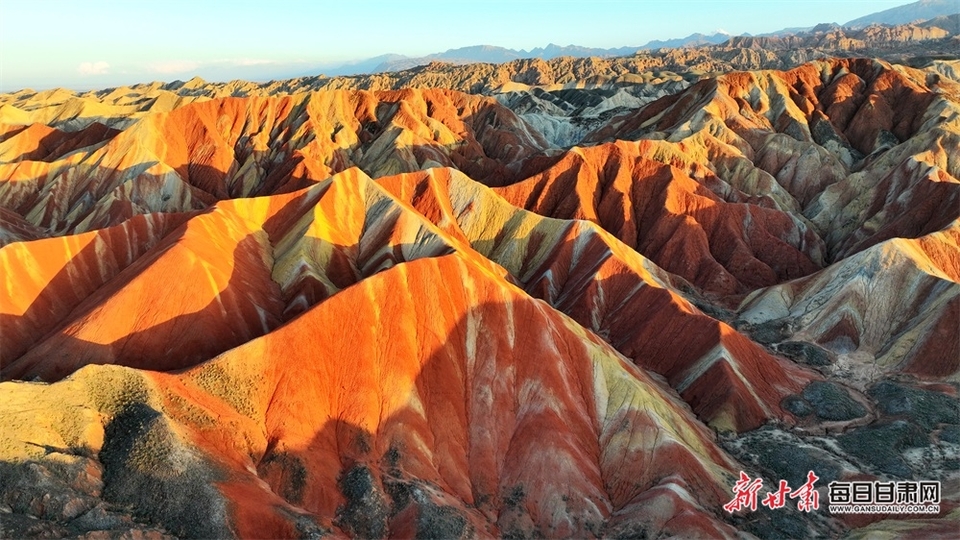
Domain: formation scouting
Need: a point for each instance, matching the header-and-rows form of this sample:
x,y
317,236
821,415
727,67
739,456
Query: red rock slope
x,y
452,418
723,246
255,263
859,150
584,271
892,307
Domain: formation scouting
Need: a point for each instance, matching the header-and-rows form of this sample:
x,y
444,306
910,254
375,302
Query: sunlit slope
x,y
223,277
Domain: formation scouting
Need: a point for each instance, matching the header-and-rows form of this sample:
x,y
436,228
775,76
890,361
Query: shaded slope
x,y
205,288
46,279
13,228
39,142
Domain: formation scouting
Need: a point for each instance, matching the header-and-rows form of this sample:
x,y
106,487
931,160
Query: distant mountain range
x,y
662,70
921,10
497,55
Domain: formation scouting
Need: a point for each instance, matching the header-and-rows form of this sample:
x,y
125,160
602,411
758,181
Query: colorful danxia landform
x,y
594,304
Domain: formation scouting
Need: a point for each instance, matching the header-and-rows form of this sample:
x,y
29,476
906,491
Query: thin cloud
x,y
93,68
178,67
250,62
171,67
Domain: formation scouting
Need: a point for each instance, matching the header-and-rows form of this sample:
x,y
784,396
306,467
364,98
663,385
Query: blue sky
x,y
101,43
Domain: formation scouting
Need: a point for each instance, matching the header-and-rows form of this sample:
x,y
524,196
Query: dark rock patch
x,y
148,468
17,525
806,353
881,445
57,496
770,524
365,514
923,407
831,401
791,461
797,406
292,473
950,434
435,521
770,332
